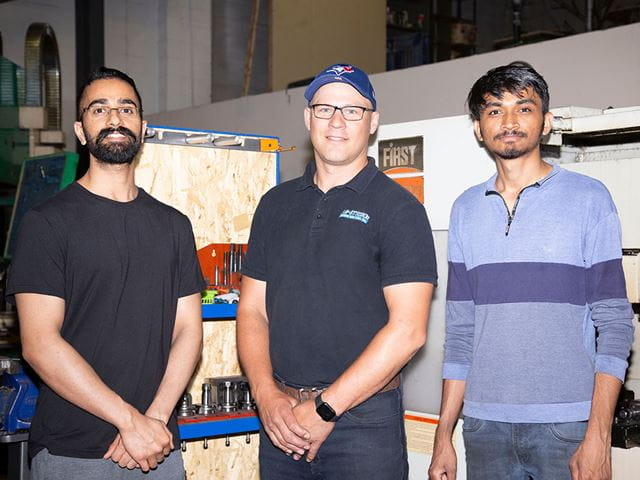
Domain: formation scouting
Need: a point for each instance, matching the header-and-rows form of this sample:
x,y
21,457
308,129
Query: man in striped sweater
x,y
538,324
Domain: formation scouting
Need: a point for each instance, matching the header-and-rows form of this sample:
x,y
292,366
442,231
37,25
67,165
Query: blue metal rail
x,y
194,428
219,310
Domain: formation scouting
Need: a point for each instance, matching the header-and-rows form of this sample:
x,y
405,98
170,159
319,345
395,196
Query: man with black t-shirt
x,y
107,285
336,290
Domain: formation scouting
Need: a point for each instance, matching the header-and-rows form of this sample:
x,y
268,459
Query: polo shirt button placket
x,y
320,215
322,207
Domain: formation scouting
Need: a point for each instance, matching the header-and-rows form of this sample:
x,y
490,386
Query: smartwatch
x,y
325,411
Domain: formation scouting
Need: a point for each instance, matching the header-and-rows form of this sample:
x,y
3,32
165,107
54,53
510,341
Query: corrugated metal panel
x,y
8,83
42,65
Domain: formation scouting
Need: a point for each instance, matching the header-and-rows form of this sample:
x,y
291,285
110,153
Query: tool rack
x,y
216,179
217,425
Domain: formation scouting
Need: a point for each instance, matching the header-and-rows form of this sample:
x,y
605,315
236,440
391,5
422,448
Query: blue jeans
x,y
519,451
367,443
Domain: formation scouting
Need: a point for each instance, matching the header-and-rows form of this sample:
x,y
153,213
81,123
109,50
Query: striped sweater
x,y
536,301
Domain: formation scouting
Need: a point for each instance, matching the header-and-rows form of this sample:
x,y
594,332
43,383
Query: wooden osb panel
x,y
219,355
238,461
218,189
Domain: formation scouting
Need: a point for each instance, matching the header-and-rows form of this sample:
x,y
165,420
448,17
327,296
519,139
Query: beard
x,y
113,153
511,152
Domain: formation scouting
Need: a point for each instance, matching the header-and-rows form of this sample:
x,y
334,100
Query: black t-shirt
x,y
326,258
120,267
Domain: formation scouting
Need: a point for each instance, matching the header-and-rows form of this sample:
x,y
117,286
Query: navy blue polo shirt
x,y
325,258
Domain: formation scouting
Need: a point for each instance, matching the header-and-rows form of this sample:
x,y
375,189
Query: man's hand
x,y
278,420
592,460
444,462
144,439
318,429
119,454
274,407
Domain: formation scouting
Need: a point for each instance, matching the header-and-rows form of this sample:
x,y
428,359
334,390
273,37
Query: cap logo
x,y
339,69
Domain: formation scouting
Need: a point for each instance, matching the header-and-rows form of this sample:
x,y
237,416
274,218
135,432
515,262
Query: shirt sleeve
x,y
607,296
38,264
255,262
460,308
407,253
191,280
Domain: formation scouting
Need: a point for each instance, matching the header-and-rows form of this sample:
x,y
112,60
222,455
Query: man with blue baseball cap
x,y
336,290
342,73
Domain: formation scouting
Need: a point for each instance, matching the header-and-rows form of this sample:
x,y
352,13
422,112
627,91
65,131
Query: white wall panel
x,y
596,69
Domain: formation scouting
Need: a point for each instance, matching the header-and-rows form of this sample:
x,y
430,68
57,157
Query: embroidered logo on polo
x,y
341,69
355,215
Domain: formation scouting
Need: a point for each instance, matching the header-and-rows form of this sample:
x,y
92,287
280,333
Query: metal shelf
x,y
216,425
219,310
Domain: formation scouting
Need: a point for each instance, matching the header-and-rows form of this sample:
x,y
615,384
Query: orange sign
x,y
415,185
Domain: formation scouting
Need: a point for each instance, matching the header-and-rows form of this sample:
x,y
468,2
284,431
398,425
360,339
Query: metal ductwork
x,y
42,72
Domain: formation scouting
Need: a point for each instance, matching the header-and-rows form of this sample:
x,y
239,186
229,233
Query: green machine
x,y
24,180
33,165
40,178
14,140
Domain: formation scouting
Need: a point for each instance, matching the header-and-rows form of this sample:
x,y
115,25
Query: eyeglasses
x,y
101,111
352,113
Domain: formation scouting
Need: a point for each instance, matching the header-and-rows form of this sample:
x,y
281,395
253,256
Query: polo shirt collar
x,y
490,185
358,183
306,180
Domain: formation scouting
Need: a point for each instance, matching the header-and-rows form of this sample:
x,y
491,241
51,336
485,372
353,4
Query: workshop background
x,y
207,67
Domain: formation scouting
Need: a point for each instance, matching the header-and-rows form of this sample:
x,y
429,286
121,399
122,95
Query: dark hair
x,y
513,78
102,73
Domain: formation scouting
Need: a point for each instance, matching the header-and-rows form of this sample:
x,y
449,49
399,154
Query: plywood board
x,y
218,189
219,355
238,461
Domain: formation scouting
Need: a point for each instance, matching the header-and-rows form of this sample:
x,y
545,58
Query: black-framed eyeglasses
x,y
352,113
102,111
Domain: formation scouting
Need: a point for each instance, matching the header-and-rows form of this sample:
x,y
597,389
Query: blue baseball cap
x,y
345,73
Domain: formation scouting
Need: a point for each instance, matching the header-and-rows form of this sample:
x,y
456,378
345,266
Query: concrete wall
x,y
15,18
597,69
165,45
307,35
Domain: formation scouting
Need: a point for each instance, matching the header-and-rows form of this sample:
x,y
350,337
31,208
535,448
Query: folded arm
x,y
186,347
274,406
43,347
389,350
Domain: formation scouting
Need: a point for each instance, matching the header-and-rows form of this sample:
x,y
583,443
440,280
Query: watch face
x,y
326,412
